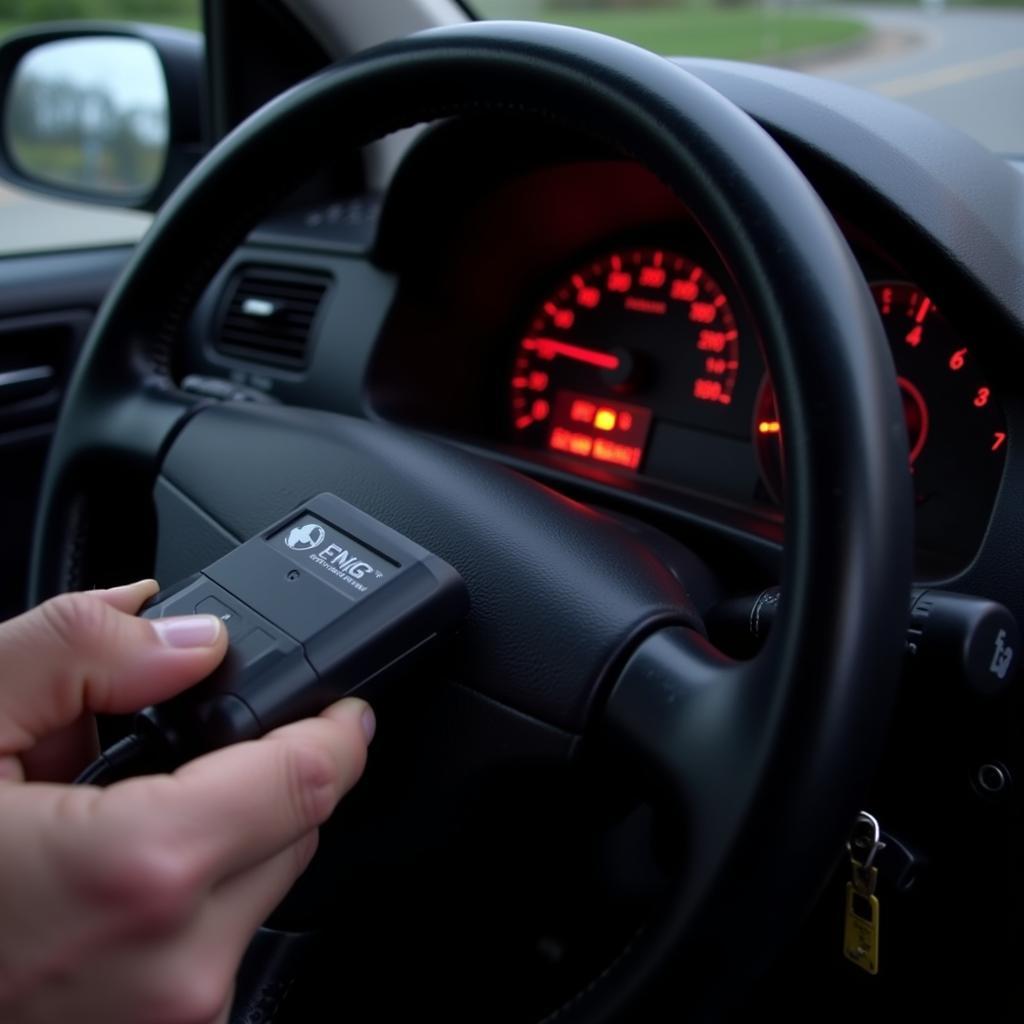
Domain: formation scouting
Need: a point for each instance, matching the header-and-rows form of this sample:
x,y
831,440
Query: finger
x,y
77,653
62,755
231,916
11,769
131,597
233,809
244,902
193,967
159,936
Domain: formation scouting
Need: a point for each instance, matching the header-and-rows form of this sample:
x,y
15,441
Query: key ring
x,y
876,844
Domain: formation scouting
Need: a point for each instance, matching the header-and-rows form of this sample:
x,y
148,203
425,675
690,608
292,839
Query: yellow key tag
x,y
860,932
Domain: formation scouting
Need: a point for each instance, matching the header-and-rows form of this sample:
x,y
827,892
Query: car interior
x,y
706,377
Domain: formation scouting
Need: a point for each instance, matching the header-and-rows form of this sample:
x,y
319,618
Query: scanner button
x,y
254,647
234,620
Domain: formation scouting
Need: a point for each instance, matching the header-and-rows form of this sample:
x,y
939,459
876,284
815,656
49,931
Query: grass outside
x,y
699,29
8,25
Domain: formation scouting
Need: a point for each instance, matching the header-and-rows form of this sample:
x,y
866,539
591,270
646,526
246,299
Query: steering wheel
x,y
765,759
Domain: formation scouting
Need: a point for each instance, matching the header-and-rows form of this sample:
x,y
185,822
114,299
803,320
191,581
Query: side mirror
x,y
102,113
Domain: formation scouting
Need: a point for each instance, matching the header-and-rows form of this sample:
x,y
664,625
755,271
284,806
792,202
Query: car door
x,y
218,60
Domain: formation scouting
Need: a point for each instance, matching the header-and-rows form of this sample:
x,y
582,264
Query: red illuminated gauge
x,y
632,338
956,428
768,431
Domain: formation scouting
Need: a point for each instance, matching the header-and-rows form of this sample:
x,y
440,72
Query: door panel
x,y
46,305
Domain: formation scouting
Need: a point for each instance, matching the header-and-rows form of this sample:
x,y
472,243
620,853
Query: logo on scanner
x,y
305,538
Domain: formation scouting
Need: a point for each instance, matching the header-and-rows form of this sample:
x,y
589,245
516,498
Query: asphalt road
x,y
964,66
31,224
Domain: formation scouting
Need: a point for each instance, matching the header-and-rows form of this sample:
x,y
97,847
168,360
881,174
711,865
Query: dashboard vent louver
x,y
269,315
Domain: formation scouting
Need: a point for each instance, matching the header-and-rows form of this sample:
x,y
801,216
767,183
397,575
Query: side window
x,y
34,223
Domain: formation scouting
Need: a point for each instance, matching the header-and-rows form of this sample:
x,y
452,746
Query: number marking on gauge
x,y
949,409
626,324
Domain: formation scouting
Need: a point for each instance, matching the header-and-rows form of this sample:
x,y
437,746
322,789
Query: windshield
x,y
958,61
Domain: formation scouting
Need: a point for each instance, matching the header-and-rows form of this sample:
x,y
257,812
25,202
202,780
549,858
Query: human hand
x,y
136,902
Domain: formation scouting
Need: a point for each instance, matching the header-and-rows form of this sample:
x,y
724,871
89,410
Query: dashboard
x,y
609,340
544,301
638,359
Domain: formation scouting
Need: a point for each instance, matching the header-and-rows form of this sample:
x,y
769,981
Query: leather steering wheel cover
x,y
847,562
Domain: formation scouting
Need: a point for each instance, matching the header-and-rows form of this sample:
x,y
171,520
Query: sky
x,y
128,70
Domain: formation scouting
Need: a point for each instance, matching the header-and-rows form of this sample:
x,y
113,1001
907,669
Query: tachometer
x,y
955,424
624,341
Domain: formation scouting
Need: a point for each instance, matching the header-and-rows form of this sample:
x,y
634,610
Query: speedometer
x,y
623,343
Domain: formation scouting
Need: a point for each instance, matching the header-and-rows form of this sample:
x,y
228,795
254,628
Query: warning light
x,y
604,431
769,427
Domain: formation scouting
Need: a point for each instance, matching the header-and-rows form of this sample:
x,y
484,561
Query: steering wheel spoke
x,y
685,711
137,426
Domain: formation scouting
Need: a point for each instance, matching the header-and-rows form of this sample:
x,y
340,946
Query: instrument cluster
x,y
639,359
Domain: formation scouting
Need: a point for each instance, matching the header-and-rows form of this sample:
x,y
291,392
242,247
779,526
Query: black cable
x,y
127,757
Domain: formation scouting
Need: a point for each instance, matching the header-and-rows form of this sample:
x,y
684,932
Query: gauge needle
x,y
548,348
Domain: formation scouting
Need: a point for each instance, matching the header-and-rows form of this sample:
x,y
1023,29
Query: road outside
x,y
31,224
964,66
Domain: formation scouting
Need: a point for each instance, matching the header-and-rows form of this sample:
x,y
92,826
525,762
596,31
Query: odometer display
x,y
633,339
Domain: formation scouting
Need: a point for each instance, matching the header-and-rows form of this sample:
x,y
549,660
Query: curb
x,y
874,43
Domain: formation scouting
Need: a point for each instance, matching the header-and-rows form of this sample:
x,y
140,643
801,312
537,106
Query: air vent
x,y
269,315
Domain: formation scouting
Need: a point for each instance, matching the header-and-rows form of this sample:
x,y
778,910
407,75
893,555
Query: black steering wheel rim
x,y
814,705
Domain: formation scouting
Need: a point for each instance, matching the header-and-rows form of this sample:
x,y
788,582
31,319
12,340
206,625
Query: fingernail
x,y
369,723
124,588
189,630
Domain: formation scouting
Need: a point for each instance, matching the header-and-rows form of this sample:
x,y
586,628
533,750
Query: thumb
x,y
81,653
